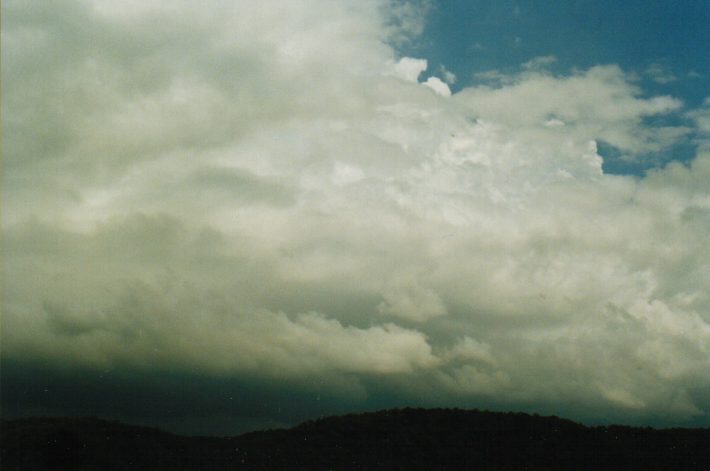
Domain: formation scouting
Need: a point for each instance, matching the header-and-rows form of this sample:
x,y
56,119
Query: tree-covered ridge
x,y
391,439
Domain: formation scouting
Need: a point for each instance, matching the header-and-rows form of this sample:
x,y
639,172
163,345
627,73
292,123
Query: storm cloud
x,y
269,193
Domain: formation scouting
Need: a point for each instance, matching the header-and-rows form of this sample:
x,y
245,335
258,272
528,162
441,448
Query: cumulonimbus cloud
x,y
271,190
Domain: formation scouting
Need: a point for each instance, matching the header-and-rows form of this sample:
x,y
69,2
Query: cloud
x,y
659,74
449,77
438,86
597,104
701,117
406,298
271,192
409,69
539,63
85,320
471,349
406,19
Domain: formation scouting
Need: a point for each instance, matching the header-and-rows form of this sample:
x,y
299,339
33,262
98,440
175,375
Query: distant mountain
x,y
402,439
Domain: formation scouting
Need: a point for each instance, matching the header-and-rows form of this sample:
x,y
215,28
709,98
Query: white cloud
x,y
449,77
406,19
409,69
598,104
267,190
539,63
438,86
407,298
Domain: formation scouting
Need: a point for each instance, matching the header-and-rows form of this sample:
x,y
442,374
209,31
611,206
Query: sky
x,y
225,216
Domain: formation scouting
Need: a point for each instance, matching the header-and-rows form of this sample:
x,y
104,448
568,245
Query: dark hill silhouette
x,y
406,439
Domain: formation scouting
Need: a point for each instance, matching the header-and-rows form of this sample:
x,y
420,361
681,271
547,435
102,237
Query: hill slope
x,y
392,439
